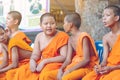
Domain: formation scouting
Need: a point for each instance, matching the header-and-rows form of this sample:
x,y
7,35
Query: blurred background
x,y
90,11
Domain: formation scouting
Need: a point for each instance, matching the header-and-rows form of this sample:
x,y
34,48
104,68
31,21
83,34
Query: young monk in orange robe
x,y
18,46
109,69
3,47
81,55
3,50
49,50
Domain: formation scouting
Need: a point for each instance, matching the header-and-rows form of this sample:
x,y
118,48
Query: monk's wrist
x,y
115,67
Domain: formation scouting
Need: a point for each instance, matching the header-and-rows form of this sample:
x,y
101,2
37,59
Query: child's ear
x,y
71,25
16,21
117,18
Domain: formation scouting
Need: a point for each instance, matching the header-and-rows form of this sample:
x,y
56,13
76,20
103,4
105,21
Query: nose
x,y
49,25
103,18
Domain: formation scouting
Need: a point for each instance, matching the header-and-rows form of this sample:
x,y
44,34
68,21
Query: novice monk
x,y
49,50
81,55
18,46
3,48
110,66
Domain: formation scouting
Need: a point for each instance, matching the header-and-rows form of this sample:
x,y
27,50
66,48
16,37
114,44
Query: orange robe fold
x,y
52,50
79,73
22,41
113,60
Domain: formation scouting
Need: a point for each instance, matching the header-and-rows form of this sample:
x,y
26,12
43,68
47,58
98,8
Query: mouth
x,y
104,23
48,29
3,40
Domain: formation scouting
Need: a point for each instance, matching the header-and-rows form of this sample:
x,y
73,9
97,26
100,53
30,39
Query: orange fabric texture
x,y
79,73
113,59
76,74
79,52
22,41
51,50
1,57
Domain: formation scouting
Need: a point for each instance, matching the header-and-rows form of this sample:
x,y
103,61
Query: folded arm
x,y
15,60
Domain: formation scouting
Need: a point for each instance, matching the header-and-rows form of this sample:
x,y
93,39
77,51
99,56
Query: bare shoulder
x,y
106,36
39,35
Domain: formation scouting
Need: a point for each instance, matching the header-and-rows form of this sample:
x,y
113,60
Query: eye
x,y
45,23
52,23
1,33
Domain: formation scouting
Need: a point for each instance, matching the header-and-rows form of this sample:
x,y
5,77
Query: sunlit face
x,y
10,21
3,36
66,26
48,25
109,18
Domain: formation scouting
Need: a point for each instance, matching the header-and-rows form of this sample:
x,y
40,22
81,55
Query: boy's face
x,y
10,21
109,18
66,26
3,36
48,25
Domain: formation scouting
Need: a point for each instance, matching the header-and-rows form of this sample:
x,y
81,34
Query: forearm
x,y
55,59
67,62
79,65
115,67
4,64
7,68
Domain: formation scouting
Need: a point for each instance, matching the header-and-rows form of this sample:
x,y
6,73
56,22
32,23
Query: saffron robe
x,y
79,73
22,41
52,50
113,60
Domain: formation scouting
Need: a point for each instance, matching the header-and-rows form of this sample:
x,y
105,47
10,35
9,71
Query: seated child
x,y
18,46
109,68
3,48
81,54
49,51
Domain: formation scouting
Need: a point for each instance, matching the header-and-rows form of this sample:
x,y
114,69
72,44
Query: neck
x,y
75,31
14,30
115,28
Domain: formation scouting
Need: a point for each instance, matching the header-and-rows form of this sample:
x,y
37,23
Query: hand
x,y
97,68
33,65
60,73
105,70
40,66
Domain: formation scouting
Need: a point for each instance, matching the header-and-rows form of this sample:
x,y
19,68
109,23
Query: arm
x,y
59,58
86,55
106,51
15,60
67,61
35,55
69,56
3,49
101,68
